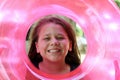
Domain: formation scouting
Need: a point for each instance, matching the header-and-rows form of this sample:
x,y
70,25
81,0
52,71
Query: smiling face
x,y
53,43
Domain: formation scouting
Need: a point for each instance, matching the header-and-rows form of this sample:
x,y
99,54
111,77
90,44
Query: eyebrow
x,y
46,34
57,34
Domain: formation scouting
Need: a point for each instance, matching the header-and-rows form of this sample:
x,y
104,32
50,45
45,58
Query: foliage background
x,y
117,2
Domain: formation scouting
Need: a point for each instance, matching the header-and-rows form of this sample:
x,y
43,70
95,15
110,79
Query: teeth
x,y
52,51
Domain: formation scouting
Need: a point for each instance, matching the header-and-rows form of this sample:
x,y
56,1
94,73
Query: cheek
x,y
43,46
65,44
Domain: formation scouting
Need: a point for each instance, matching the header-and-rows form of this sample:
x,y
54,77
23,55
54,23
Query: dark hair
x,y
72,58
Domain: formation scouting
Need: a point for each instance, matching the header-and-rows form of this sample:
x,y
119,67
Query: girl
x,y
54,47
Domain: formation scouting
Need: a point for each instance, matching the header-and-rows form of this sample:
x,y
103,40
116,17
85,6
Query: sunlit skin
x,y
53,45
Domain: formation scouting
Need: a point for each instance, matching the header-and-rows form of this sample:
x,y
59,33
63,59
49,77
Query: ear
x,y
37,47
70,46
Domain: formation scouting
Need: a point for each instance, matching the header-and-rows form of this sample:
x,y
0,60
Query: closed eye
x,y
46,38
60,38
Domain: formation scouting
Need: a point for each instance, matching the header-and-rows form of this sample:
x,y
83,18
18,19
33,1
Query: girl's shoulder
x,y
30,76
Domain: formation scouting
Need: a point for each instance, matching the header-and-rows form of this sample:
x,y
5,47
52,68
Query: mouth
x,y
54,50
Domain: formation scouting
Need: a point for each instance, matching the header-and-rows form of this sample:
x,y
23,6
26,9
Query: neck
x,y
54,67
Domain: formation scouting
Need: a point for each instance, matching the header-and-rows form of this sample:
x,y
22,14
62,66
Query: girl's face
x,y
53,43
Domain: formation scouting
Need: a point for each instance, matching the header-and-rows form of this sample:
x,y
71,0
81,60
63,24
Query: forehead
x,y
52,28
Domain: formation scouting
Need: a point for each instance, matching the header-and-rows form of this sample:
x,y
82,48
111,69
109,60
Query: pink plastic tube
x,y
99,19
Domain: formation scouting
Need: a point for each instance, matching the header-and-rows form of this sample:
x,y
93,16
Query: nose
x,y
54,42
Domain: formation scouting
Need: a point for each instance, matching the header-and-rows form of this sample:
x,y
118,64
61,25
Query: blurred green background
x,y
117,2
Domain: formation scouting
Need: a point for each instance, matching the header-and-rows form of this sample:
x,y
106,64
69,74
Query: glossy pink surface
x,y
99,19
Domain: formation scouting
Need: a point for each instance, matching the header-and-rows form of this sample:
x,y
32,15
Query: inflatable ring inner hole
x,y
81,42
